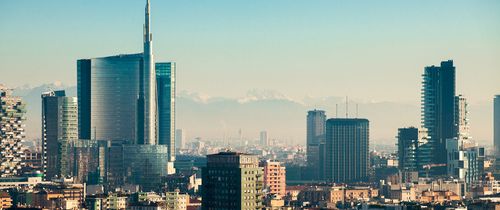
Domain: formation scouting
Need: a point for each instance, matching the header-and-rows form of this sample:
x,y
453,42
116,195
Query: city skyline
x,y
211,47
335,114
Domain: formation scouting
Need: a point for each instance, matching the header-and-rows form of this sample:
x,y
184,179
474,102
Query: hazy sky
x,y
374,50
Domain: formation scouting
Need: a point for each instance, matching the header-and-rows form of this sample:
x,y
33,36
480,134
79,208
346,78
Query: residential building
x,y
5,200
232,181
274,177
438,196
464,163
185,183
176,200
462,118
59,126
17,182
32,161
12,118
346,151
53,196
438,112
329,196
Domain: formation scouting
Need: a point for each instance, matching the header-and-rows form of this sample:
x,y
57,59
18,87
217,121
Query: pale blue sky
x,y
371,50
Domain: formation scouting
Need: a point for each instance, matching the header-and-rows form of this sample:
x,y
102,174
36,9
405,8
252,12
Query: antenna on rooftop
x,y
346,107
356,110
336,110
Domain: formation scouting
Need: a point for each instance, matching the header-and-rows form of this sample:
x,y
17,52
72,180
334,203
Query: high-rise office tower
x,y
12,117
496,133
346,150
274,177
117,102
180,138
316,120
408,148
438,111
264,139
59,128
148,92
165,79
496,124
232,181
117,97
107,91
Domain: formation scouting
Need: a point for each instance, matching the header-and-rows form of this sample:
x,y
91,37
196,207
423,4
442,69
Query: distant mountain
x,y
32,98
281,116
284,118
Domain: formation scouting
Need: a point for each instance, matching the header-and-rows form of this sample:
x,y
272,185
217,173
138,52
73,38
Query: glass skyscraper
x,y
316,120
165,83
496,124
128,102
59,126
108,90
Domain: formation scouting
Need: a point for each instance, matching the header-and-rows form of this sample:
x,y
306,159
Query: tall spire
x,y
149,84
147,28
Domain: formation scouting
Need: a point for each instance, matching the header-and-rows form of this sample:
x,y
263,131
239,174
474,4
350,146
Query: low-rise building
x,y
21,182
176,200
438,196
325,196
53,196
106,201
5,200
185,183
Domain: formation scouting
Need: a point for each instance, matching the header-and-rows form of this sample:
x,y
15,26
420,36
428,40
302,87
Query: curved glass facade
x,y
108,90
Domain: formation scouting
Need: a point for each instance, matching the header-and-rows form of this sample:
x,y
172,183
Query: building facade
x,y
346,151
180,139
274,177
232,181
165,79
462,118
264,139
59,126
496,124
438,111
128,102
12,117
316,120
108,90
176,200
408,148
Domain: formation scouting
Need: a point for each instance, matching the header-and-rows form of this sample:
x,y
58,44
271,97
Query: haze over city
x,y
258,105
372,52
